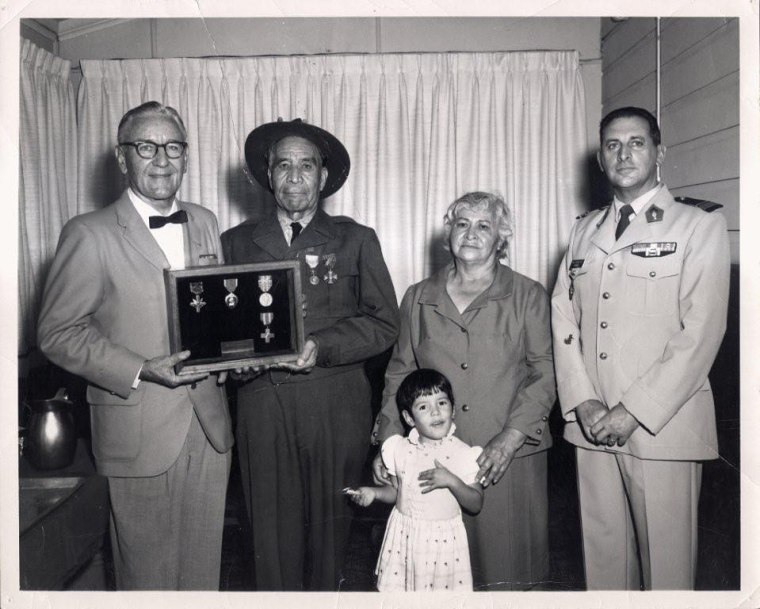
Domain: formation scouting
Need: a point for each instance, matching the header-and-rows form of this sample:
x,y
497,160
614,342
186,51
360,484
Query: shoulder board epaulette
x,y
586,213
703,204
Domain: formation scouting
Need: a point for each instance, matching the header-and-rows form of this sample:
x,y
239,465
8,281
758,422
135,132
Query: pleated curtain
x,y
421,129
47,173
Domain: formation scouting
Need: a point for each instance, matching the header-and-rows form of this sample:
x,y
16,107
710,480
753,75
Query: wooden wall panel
x,y
291,36
635,65
712,58
712,108
623,36
433,34
733,242
678,34
129,39
642,93
706,159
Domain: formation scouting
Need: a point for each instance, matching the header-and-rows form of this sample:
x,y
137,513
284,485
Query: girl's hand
x,y
380,474
364,495
439,477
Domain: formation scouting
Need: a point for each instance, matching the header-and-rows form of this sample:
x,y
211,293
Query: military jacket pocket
x,y
343,290
652,285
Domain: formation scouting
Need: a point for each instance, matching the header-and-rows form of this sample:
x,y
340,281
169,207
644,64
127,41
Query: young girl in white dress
x,y
433,475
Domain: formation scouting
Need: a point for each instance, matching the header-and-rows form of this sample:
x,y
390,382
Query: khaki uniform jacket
x,y
104,313
640,320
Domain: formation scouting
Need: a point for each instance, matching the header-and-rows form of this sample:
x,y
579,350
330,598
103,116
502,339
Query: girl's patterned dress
x,y
425,543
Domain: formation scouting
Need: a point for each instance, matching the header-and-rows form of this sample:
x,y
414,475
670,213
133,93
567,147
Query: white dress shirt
x,y
170,237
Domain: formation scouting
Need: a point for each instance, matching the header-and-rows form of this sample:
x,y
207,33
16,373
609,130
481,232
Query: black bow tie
x,y
178,217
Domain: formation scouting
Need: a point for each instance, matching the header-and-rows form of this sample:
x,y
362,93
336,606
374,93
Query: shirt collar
x,y
638,203
285,221
145,210
414,436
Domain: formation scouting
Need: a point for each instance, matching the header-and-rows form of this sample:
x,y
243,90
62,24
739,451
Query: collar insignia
x,y
654,214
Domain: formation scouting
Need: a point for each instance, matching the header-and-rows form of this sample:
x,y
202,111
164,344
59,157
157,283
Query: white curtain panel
x,y
421,129
48,184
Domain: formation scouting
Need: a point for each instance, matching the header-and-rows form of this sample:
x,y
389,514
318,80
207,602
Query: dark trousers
x,y
299,444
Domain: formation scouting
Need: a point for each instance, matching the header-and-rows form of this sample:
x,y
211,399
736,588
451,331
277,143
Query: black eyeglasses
x,y
148,150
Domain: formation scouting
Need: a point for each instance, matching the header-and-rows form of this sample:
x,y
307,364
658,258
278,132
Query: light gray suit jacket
x,y
104,313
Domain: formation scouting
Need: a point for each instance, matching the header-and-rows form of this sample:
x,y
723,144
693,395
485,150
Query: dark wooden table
x,y
63,521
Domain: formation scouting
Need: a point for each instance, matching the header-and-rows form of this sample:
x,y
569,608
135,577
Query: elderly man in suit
x,y
163,440
639,311
302,432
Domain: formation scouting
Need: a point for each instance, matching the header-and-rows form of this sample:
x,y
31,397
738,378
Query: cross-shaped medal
x,y
197,303
267,335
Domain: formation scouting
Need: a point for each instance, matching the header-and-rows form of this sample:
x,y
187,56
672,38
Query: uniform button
x,y
464,366
611,265
652,274
465,407
544,418
538,432
602,355
603,325
374,433
606,295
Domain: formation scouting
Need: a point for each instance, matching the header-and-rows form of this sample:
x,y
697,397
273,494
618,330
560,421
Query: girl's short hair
x,y
490,201
424,381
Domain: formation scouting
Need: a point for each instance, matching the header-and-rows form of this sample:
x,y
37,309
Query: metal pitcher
x,y
51,435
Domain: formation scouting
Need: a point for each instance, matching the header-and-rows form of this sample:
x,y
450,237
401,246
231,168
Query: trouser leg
x,y
664,497
609,544
155,521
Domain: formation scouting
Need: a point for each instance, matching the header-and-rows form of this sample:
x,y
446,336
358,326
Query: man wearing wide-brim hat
x,y
302,429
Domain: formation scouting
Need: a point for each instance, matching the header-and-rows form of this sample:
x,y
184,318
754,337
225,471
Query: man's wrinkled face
x,y
155,180
296,175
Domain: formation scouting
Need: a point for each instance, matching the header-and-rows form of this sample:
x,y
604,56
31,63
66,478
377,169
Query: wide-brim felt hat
x,y
334,155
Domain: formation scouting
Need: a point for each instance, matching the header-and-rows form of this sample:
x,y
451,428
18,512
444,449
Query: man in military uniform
x,y
303,431
639,311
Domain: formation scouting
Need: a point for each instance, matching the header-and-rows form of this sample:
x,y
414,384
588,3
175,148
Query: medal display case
x,y
232,316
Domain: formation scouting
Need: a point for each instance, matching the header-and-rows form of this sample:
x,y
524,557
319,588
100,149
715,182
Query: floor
x,y
718,565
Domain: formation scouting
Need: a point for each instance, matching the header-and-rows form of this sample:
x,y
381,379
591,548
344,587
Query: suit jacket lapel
x,y
193,238
137,234
267,234
318,232
604,237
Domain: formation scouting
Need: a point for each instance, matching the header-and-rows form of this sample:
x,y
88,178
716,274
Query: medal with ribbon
x,y
265,284
231,299
266,319
329,260
196,288
312,261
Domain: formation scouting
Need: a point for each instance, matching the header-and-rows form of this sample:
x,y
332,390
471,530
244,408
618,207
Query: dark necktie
x,y
625,219
178,217
297,228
